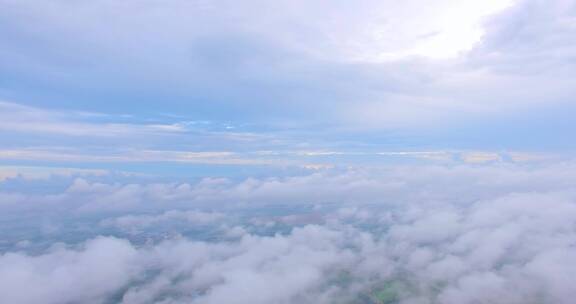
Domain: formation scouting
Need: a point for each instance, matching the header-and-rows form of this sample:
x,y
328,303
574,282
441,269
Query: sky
x,y
258,83
172,148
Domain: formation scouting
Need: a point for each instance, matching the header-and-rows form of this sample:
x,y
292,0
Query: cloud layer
x,y
495,234
294,61
391,134
222,82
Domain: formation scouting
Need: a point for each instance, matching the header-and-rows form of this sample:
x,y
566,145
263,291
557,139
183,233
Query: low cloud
x,y
136,222
497,234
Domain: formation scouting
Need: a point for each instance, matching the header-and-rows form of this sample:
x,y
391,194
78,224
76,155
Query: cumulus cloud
x,y
63,276
469,234
390,185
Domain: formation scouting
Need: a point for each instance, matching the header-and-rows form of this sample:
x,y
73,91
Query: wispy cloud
x,y
38,172
26,119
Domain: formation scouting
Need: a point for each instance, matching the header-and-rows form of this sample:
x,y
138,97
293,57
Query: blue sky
x,y
136,85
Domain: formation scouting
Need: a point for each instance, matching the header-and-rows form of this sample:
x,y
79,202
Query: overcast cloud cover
x,y
279,152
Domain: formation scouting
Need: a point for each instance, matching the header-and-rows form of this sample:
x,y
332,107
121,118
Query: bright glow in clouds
x,y
454,28
461,28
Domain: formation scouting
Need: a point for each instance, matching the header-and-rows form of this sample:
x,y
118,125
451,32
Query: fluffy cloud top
x,y
405,235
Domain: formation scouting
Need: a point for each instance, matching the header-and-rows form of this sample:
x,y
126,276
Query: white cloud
x,y
7,172
366,30
480,157
467,234
20,118
87,275
281,268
